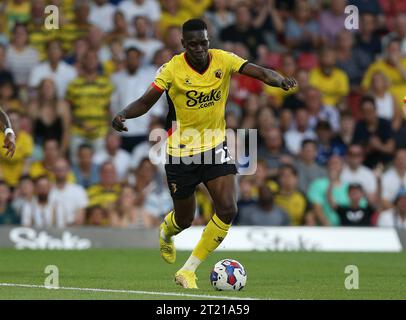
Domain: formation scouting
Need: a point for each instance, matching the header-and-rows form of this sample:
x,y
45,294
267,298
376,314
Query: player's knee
x,y
184,222
227,212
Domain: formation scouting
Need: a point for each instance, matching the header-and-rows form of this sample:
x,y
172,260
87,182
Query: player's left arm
x,y
268,76
10,138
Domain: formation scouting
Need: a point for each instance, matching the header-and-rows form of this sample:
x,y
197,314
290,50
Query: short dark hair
x,y
132,49
85,146
194,25
368,98
289,167
309,141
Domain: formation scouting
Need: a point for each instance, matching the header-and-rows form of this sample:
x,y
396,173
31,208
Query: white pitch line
x,y
154,293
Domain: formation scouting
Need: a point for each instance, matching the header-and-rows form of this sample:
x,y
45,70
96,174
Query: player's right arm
x,y
137,108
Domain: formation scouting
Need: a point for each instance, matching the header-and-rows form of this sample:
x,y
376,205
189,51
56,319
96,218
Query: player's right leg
x,y
175,221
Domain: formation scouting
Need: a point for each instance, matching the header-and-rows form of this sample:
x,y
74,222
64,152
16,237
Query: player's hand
x,y
10,144
118,123
288,83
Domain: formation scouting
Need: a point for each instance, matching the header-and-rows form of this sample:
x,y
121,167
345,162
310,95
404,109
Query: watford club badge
x,y
218,73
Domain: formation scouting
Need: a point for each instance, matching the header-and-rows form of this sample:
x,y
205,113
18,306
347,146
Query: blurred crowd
x,y
331,152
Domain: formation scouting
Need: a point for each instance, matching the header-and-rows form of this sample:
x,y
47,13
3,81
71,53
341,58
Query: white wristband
x,y
9,130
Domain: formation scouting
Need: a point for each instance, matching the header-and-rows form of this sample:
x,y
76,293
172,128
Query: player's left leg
x,y
223,191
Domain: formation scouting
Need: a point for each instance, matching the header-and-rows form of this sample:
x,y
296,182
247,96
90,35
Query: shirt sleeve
x,y
163,78
235,62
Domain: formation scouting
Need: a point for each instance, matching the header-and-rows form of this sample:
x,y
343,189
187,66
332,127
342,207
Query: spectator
x,y
374,133
353,215
355,172
45,167
106,192
219,17
81,46
144,39
317,193
97,216
266,17
89,97
351,59
7,212
101,14
263,213
289,198
301,131
246,197
172,15
120,28
11,169
51,116
243,31
129,85
70,196
393,65
144,181
301,31
332,82
399,31
307,167
318,111
85,170
17,11
347,127
20,57
24,193
77,27
9,99
113,153
396,216
39,36
386,105
53,68
327,145
394,178
134,8
41,212
272,150
265,120
367,40
5,74
332,21
172,40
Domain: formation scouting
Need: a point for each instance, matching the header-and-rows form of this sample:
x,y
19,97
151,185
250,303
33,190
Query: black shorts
x,y
184,174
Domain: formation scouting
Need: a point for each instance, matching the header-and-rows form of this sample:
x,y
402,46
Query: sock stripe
x,y
174,223
218,225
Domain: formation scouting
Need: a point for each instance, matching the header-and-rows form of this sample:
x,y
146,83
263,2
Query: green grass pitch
x,y
271,275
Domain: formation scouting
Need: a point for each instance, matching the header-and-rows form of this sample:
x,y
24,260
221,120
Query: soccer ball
x,y
228,274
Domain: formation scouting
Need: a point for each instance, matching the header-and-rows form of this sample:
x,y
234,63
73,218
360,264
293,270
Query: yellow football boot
x,y
186,279
167,249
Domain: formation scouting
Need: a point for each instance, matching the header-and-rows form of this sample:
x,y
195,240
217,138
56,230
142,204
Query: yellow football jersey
x,y
197,101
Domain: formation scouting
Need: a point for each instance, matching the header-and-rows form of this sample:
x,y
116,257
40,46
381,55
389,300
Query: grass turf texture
x,y
271,275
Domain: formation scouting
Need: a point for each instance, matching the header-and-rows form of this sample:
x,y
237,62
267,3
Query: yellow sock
x,y
169,226
214,233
